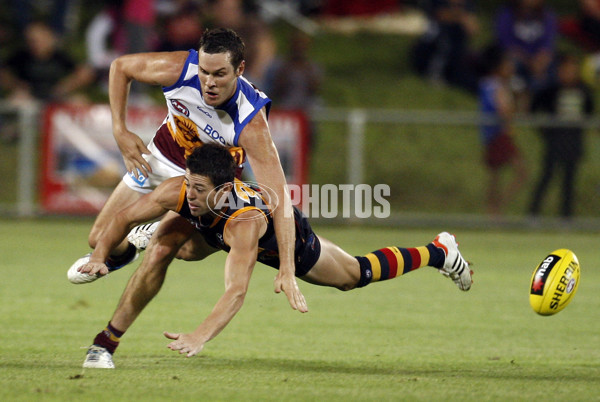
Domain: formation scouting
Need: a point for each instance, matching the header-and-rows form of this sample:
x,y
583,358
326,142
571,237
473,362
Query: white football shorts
x,y
162,169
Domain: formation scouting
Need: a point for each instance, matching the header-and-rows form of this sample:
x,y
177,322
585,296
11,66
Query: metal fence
x,y
413,139
361,146
19,150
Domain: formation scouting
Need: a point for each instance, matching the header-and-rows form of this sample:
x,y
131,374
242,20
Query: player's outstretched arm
x,y
264,159
160,68
148,207
242,236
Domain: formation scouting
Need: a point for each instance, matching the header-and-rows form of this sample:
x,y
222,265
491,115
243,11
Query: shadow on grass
x,y
482,370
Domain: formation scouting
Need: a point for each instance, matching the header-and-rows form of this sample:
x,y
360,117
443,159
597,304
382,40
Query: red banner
x,y
81,163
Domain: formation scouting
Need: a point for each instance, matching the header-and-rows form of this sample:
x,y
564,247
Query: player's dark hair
x,y
223,40
213,161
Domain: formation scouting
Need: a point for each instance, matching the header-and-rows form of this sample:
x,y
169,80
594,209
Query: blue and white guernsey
x,y
191,122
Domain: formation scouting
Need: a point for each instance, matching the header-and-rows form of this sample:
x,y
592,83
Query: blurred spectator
x,y
295,80
359,7
527,29
105,39
500,151
442,54
182,27
590,18
139,19
42,71
26,11
584,28
242,17
569,101
123,26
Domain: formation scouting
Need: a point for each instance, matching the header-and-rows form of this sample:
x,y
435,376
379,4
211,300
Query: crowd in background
x,y
519,71
43,69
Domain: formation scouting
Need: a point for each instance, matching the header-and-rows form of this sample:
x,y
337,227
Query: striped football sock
x,y
109,338
390,262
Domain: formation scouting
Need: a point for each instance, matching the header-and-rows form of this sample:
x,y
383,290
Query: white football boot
x,y
455,267
78,278
98,357
140,235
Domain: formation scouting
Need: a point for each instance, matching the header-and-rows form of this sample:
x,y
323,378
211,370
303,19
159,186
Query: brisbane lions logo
x,y
185,133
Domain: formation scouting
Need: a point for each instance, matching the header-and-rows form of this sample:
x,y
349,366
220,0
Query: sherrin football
x,y
554,282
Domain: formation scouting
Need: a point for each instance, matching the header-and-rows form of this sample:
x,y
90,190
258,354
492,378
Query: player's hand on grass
x,y
132,147
185,343
288,284
93,268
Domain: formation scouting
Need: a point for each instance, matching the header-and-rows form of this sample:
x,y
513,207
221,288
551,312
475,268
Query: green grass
x,y
413,338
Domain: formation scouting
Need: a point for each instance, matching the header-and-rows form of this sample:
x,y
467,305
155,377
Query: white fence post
x,y
357,119
28,152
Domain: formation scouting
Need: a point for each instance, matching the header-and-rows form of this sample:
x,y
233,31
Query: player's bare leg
x,y
121,197
339,269
144,284
335,268
192,249
124,253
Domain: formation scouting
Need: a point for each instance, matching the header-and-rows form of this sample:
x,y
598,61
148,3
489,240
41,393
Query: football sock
x,y
119,261
390,262
109,338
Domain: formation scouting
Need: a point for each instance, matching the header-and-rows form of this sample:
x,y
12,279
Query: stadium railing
x,y
21,199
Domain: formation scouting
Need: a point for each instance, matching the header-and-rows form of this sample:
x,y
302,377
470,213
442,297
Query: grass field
x,y
413,338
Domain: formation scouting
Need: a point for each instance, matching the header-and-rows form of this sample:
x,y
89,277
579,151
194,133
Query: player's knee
x,y
192,251
185,255
346,287
93,237
189,254
158,251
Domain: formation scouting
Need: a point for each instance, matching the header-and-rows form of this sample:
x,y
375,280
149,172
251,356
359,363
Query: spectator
x,y
359,7
294,81
497,104
569,101
527,29
24,12
123,26
242,17
42,71
584,28
182,27
442,53
590,19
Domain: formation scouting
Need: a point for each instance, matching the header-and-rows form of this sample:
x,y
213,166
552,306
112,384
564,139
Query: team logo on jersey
x,y
185,134
180,107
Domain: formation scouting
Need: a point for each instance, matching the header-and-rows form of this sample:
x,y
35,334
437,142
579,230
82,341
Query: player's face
x,y
218,78
202,197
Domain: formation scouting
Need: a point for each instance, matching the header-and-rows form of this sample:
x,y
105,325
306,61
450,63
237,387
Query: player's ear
x,y
241,68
